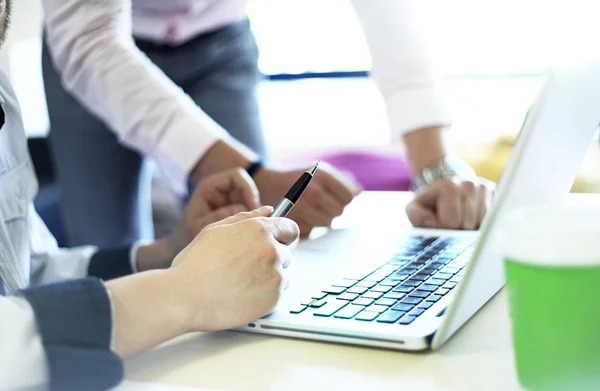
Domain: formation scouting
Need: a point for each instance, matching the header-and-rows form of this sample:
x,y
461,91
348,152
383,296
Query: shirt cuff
x,y
417,108
111,264
181,148
74,319
133,253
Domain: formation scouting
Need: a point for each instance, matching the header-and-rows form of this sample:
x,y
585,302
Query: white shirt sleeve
x,y
22,356
49,263
402,64
92,48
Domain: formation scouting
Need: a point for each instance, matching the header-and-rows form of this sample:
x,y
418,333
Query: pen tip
x,y
313,169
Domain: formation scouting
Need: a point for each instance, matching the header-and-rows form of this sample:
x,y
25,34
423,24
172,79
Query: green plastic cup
x,y
552,263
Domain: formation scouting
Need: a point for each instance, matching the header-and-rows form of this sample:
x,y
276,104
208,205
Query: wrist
x,y
425,147
446,168
157,255
223,155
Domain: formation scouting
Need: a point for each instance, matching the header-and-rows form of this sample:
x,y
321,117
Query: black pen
x,y
293,195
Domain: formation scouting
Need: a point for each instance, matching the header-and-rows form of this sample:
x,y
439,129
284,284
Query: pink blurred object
x,y
374,170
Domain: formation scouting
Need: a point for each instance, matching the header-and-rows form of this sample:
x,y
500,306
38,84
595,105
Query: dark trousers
x,y
105,186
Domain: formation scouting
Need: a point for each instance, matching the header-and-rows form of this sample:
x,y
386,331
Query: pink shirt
x,y
174,21
92,48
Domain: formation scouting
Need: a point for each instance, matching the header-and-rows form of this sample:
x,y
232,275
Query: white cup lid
x,y
553,236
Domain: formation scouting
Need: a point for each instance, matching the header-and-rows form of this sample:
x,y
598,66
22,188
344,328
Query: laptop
x,y
355,290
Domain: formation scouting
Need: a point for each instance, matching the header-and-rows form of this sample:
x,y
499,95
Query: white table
x,y
478,357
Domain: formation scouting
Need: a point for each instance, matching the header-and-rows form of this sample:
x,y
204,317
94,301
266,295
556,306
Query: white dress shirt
x,y
92,47
29,254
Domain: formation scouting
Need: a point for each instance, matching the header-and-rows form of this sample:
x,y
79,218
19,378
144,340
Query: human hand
x,y
216,197
323,200
451,204
234,270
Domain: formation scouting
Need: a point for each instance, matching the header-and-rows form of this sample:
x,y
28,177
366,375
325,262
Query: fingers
x,y
470,203
243,183
316,217
230,186
221,214
341,188
263,211
421,216
448,205
328,204
484,202
284,230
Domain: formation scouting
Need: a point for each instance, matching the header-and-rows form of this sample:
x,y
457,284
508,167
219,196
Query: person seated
x,y
69,316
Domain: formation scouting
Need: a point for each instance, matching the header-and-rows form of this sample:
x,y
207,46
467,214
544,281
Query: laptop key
x,y
420,277
406,320
399,276
428,287
451,270
390,316
365,284
319,296
318,304
367,316
416,312
348,312
389,282
433,298
372,295
444,276
404,289
357,274
449,285
435,281
331,308
377,308
297,309
395,295
455,279
420,294
411,283
363,301
411,300
403,307
442,291
429,271
409,270
381,288
359,290
334,290
346,283
347,296
437,264
376,277
386,302
425,305
308,302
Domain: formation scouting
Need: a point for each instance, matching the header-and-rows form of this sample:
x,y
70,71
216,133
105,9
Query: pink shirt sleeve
x,y
93,50
402,64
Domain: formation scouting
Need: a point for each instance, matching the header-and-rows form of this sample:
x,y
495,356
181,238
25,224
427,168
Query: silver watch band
x,y
446,168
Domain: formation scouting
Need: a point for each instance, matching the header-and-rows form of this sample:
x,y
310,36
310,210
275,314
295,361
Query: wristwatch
x,y
447,168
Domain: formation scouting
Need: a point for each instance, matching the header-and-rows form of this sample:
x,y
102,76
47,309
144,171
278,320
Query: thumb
x,y
420,216
263,211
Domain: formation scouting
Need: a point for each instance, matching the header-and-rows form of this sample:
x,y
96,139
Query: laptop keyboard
x,y
425,270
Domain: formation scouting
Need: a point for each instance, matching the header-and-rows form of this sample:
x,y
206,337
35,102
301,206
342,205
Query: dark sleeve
x,y
110,264
74,320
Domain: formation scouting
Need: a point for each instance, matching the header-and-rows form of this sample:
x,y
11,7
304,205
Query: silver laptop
x,y
419,295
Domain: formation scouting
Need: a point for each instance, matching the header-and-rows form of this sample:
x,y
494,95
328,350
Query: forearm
x,y
147,310
424,147
224,154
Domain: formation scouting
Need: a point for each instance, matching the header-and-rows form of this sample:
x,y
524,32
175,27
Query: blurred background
x,y
317,97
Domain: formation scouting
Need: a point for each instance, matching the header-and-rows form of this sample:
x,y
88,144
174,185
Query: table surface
x,y
478,357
